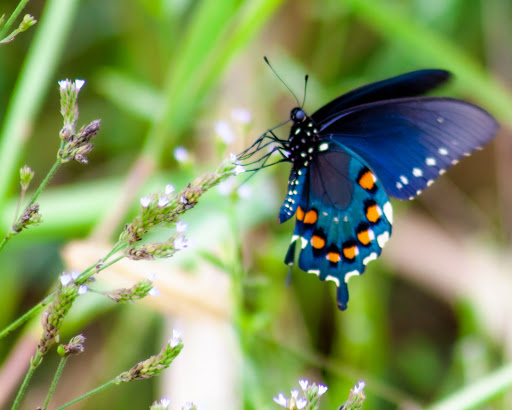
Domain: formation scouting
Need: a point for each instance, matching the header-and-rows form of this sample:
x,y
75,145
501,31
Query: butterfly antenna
x,y
305,89
280,79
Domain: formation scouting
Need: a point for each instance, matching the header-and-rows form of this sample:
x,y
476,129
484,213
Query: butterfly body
x,y
380,140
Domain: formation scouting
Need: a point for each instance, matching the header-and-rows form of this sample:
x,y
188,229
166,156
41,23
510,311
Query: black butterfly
x,y
376,141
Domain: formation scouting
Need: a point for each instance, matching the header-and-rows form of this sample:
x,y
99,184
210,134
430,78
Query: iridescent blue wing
x,y
343,217
409,142
406,85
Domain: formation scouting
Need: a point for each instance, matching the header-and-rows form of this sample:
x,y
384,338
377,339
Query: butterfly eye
x,y
298,115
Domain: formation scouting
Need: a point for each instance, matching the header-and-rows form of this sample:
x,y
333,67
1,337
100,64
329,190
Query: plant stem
x,y
12,18
94,391
46,179
85,275
28,315
34,363
42,185
56,378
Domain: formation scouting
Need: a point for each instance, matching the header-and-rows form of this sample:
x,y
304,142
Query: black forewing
x,y
406,85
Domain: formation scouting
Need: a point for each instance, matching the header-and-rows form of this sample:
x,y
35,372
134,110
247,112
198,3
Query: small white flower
x,y
359,387
63,84
183,200
75,274
188,405
301,403
245,191
180,243
233,157
152,276
321,389
281,400
79,84
164,402
176,338
295,393
154,291
169,189
181,227
181,154
224,131
145,201
65,279
303,384
239,169
163,201
82,289
241,115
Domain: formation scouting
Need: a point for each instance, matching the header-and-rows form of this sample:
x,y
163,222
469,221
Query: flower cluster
x,y
54,315
164,209
75,346
74,145
26,175
311,395
30,216
155,364
355,398
138,291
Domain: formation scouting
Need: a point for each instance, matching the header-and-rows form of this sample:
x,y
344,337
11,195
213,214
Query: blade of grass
x,y
31,87
478,393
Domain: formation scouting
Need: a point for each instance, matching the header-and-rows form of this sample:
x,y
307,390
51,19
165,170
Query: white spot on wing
x,y
348,275
383,238
371,257
314,271
417,172
430,161
430,182
333,279
388,211
442,171
323,146
404,179
304,242
399,185
443,151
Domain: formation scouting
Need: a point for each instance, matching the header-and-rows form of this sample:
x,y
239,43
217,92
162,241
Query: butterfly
x,y
378,141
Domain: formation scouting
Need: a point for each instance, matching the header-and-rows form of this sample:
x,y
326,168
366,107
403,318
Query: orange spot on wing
x,y
333,257
300,213
310,217
367,181
350,252
317,242
373,213
364,237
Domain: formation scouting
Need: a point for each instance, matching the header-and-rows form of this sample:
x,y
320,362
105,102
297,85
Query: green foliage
x,y
160,74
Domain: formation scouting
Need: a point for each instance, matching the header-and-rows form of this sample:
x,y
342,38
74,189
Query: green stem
x,y
94,391
34,363
12,18
42,185
86,274
28,315
56,378
46,179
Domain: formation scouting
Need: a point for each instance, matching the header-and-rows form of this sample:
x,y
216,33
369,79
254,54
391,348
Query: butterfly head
x,y
298,115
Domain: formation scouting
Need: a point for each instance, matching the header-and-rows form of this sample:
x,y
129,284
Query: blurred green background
x,y
427,319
